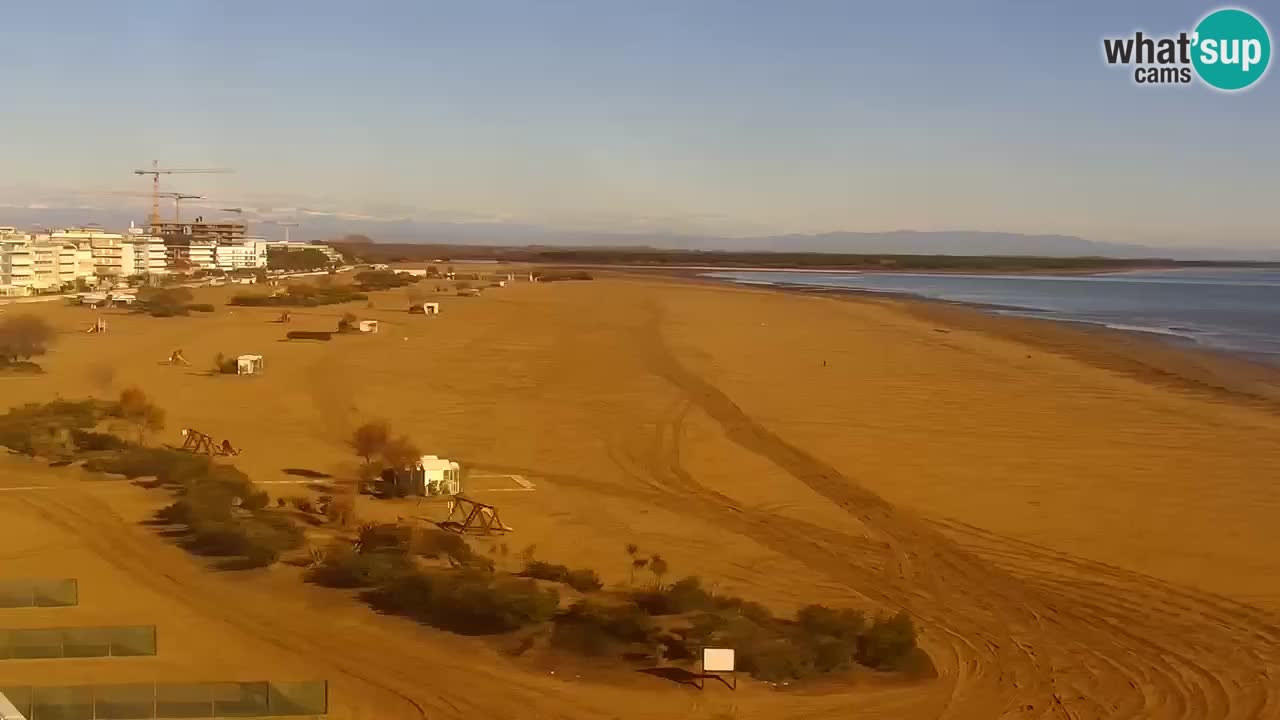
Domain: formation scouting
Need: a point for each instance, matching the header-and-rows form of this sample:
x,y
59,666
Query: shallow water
x,y
1222,309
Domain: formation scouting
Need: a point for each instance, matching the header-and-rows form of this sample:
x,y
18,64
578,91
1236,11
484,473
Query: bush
x,y
300,296
23,337
435,543
384,279
171,467
28,427
89,441
889,643
225,364
683,596
560,275
592,628
582,580
345,568
467,601
290,259
200,307
383,537
817,620
164,302
545,571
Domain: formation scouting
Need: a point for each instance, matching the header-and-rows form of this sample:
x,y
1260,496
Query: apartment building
x,y
191,254
32,264
149,252
108,252
217,231
248,254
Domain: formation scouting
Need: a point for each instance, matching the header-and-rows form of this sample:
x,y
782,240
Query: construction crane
x,y
156,171
285,225
177,203
176,197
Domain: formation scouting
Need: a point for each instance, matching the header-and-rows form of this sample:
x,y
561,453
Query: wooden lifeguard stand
x,y
197,442
471,516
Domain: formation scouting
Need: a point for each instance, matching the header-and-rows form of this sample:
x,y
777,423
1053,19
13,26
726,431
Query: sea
x,y
1230,310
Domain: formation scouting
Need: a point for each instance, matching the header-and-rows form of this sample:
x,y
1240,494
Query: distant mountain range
x,y
323,226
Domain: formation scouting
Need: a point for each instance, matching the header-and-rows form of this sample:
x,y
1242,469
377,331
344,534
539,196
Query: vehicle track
x,y
1042,641
386,668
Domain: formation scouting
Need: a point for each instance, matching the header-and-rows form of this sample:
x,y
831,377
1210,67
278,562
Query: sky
x,y
724,117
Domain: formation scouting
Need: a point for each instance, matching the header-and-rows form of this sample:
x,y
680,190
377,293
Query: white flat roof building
x,y
35,263
247,254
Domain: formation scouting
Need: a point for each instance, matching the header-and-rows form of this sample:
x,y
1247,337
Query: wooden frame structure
x,y
475,516
197,442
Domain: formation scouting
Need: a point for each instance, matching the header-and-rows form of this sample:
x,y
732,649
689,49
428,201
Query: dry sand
x,y
1076,538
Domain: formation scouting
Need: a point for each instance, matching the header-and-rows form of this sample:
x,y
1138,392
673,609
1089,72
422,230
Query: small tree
x,y
165,302
370,439
347,323
23,337
400,452
137,409
658,567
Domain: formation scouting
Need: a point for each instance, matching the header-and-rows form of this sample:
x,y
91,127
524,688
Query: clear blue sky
x,y
724,116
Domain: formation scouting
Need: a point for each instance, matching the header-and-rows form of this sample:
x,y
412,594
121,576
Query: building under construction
x,y
218,231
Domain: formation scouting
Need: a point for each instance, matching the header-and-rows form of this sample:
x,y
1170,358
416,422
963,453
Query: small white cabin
x,y
431,475
368,326
248,364
431,308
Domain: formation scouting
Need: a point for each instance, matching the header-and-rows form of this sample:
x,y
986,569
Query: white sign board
x,y
717,660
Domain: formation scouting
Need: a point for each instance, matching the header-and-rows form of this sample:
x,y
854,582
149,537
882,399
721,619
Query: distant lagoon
x,y
1222,309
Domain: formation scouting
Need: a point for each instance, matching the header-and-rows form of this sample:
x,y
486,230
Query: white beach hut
x,y
248,364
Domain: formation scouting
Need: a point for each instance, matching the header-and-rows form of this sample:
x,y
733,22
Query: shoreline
x,y
1166,361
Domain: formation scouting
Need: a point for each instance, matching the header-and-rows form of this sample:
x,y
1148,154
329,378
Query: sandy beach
x,y
1081,522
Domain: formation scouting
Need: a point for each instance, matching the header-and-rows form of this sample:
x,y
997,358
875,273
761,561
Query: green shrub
x,y
435,543
29,427
583,580
469,602
164,302
681,597
171,467
345,568
545,571
561,275
384,279
384,537
300,296
818,620
258,539
593,628
888,643
225,364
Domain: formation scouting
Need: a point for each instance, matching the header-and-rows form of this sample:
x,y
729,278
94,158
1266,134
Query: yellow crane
x,y
156,171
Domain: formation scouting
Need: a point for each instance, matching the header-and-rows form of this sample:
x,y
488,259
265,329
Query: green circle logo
x,y
1232,49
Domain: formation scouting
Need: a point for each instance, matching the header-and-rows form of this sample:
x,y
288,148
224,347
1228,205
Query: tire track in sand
x,y
1022,645
376,661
